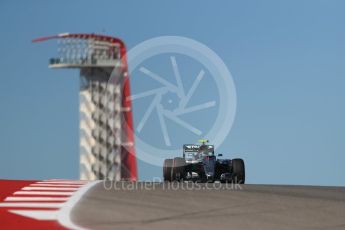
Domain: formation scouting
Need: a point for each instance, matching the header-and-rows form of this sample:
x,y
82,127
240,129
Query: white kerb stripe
x,y
62,182
65,180
43,193
37,198
36,214
50,188
31,205
58,185
63,216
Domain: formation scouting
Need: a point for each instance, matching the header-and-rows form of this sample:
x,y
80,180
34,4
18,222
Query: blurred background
x,y
286,59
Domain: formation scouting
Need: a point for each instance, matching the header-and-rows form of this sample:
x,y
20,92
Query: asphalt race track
x,y
126,205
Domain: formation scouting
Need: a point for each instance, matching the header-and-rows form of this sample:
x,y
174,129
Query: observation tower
x,y
106,124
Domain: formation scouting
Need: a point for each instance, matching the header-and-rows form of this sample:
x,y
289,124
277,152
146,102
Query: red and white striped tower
x,y
106,137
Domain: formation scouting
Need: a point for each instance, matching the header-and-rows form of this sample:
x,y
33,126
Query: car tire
x,y
167,169
238,171
178,169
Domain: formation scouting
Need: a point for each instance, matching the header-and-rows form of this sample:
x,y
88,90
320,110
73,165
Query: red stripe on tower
x,y
129,163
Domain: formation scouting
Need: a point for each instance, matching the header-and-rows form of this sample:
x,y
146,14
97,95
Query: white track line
x,y
64,214
26,198
50,188
31,205
43,193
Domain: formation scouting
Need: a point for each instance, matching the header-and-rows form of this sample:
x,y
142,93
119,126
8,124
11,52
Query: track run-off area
x,y
66,204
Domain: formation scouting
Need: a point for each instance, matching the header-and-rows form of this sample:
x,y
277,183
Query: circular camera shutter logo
x,y
171,100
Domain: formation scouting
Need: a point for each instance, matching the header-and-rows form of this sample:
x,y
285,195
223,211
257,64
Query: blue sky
x,y
286,59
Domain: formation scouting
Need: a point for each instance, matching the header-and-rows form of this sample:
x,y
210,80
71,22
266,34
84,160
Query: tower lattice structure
x,y
106,123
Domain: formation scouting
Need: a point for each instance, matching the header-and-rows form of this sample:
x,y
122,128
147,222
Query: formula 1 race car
x,y
199,163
